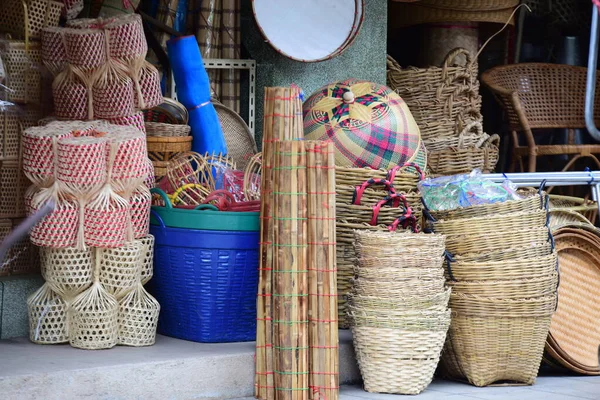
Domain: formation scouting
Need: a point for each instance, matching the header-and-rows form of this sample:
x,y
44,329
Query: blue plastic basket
x,y
206,283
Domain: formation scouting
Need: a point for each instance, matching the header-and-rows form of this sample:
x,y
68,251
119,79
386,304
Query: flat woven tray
x,y
575,328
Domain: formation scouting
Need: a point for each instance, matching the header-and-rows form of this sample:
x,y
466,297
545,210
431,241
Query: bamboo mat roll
x,y
322,272
282,121
290,273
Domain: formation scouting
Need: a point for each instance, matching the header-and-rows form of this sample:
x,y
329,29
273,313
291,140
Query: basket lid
x,y
575,326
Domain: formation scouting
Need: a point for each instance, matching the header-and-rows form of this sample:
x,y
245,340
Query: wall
x,y
365,59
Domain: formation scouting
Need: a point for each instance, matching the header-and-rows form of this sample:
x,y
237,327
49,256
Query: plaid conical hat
x,y
369,124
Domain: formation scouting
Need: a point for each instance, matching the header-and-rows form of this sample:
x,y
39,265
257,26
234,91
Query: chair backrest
x,y
548,95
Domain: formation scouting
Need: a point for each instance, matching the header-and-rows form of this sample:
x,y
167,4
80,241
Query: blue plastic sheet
x,y
193,91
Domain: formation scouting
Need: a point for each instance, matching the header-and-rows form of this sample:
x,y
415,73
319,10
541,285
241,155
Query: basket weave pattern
x,y
399,322
504,289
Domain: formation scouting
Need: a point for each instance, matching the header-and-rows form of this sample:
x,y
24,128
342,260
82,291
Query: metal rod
x,y
590,91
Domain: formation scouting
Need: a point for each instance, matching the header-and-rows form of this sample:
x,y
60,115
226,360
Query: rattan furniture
x,y
542,96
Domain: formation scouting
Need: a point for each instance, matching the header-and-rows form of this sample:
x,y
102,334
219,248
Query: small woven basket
x,y
113,92
58,229
126,37
82,164
54,52
119,268
588,208
14,185
23,73
86,48
105,221
166,130
147,269
467,243
140,202
136,120
138,318
47,317
71,94
165,148
528,203
68,271
454,161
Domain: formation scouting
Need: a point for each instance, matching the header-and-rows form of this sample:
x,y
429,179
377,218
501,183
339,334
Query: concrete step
x,y
171,369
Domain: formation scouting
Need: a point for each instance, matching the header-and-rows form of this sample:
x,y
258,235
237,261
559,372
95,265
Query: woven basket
x,y
120,268
166,130
252,174
12,122
454,161
509,288
138,318
484,225
165,148
47,317
465,243
400,302
68,271
528,251
147,258
396,360
25,19
588,208
442,100
560,218
23,74
439,39
486,349
238,137
14,184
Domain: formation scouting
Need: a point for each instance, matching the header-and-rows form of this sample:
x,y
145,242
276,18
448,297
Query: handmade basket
x,y
166,130
513,269
130,165
47,317
454,161
82,164
54,52
400,360
486,224
169,112
443,100
138,318
119,268
147,258
241,145
136,120
465,243
126,37
252,174
588,208
504,254
113,92
13,120
14,185
400,301
22,64
85,48
140,202
164,148
25,19
105,221
68,271
58,229
149,93
437,40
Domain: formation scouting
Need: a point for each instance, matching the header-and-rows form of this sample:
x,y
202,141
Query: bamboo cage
x,y
322,272
290,274
282,121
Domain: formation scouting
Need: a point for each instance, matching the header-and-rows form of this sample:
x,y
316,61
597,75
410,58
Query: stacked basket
x,y
100,70
166,141
96,250
398,309
504,279
446,104
368,199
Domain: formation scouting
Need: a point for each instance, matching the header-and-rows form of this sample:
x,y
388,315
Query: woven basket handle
x,y
395,200
451,58
391,176
494,139
360,190
405,221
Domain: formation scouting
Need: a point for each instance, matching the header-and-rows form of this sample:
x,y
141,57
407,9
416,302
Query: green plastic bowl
x,y
203,217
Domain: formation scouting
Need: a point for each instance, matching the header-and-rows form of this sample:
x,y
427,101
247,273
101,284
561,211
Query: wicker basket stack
x,y
165,141
504,275
364,202
100,71
95,246
446,104
398,309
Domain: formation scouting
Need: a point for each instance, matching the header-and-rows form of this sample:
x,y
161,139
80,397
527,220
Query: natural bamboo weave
x,y
164,148
24,19
147,269
398,301
560,218
483,225
404,15
22,63
47,317
506,254
119,268
324,366
138,318
526,204
416,271
587,208
68,271
467,243
508,288
444,101
252,176
162,129
282,121
14,184
454,161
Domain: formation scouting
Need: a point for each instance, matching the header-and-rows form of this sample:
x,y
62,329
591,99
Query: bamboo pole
x,y
323,307
280,107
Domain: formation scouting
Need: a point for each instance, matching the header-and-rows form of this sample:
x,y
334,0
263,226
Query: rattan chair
x,y
543,96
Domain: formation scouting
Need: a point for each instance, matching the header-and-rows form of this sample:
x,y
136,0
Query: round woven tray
x,y
169,112
240,141
575,327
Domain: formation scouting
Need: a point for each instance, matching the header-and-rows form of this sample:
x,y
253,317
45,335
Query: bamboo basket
x,y
466,243
166,130
437,300
536,250
454,161
443,101
24,19
508,288
439,39
22,62
484,225
166,148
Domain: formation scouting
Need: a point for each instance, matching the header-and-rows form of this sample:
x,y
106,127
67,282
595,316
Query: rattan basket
x,y
466,243
166,130
162,148
443,100
486,224
454,161
588,208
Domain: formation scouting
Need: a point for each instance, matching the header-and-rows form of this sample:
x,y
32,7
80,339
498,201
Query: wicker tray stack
x,y
503,272
95,246
398,309
358,192
446,104
100,71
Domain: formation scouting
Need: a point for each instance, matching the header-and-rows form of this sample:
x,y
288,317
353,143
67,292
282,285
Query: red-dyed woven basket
x,y
72,8
86,48
150,180
140,203
149,81
82,163
136,120
131,160
54,53
105,221
126,37
113,93
58,229
38,153
71,96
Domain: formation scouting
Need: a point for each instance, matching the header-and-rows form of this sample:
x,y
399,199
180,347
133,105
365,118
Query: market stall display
x,y
398,309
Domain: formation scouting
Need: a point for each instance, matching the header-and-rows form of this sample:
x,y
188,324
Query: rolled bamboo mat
x,y
282,121
322,272
290,274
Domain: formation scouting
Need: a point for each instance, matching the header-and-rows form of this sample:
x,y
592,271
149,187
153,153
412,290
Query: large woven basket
x,y
166,130
443,100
